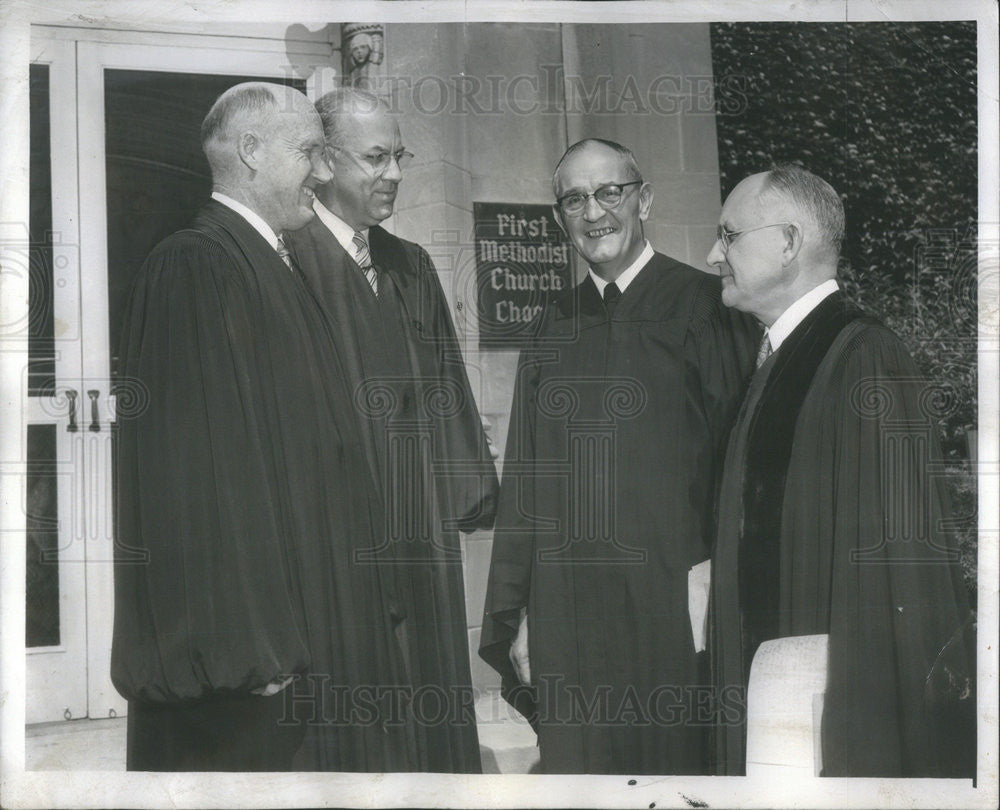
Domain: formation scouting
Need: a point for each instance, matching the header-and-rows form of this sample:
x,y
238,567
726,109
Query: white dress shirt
x,y
628,274
796,313
341,231
258,224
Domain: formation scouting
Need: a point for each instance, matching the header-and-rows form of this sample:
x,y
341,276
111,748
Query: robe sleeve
x,y
725,346
472,487
509,583
897,593
204,603
721,352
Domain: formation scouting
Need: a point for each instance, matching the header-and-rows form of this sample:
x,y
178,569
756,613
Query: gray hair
x,y
250,99
813,195
345,101
626,154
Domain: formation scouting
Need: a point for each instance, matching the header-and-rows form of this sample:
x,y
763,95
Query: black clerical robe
x,y
830,522
244,499
425,441
616,432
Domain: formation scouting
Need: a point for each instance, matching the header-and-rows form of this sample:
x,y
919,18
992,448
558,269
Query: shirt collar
x,y
628,274
796,313
254,219
342,232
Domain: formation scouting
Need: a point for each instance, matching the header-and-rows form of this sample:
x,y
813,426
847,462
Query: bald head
x,y
264,144
365,151
782,237
251,106
602,203
789,193
626,156
799,190
748,199
344,110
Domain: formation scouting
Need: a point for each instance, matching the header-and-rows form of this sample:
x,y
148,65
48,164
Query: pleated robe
x,y
607,495
831,521
243,500
418,420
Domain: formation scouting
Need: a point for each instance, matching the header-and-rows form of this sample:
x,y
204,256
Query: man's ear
x,y
326,155
645,201
248,148
792,233
557,214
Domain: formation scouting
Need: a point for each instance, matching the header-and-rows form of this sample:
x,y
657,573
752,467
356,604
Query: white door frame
x,y
56,676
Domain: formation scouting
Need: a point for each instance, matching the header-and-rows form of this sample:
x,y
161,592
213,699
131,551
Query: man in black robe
x,y
243,494
831,513
418,419
598,586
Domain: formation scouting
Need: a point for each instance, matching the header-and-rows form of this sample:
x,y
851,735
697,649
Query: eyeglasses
x,y
728,237
378,161
608,196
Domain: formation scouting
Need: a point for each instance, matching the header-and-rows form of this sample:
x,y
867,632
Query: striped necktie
x,y
364,259
764,351
285,253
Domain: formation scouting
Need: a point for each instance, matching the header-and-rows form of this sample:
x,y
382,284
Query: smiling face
x,y
291,165
610,240
359,194
755,276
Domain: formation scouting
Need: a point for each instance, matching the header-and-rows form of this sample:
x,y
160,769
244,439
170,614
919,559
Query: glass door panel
x,y
41,343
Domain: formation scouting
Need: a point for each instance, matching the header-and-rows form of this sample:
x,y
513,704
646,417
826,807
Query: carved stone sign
x,y
522,257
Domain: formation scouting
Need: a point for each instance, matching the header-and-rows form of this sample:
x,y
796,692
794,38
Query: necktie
x,y
611,296
764,351
364,259
285,253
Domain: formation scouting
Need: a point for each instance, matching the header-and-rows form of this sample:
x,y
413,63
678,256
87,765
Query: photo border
x,y
113,789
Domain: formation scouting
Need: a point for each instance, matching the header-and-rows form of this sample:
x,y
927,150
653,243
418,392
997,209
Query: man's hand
x,y
487,425
273,687
519,651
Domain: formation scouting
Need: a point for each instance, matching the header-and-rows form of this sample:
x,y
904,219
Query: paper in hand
x,y
699,583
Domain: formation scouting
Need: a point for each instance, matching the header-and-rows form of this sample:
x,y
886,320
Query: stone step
x,y
506,740
76,745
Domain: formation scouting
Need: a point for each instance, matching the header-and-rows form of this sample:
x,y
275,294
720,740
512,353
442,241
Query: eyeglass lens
x,y
607,197
382,159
